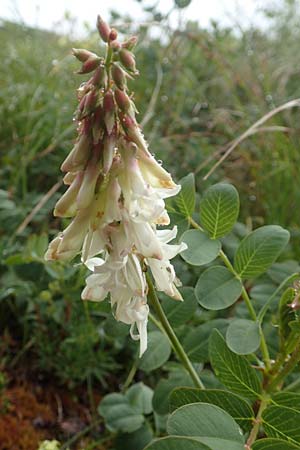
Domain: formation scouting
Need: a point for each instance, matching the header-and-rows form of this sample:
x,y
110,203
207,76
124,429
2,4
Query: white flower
x,y
124,279
162,270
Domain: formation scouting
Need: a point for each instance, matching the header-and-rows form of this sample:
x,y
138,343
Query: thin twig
x,y
151,107
38,206
252,130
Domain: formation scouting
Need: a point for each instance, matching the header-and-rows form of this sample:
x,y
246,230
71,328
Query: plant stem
x,y
254,432
171,335
130,376
246,298
290,365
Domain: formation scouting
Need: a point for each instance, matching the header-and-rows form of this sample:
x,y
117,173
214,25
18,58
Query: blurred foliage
x,y
198,91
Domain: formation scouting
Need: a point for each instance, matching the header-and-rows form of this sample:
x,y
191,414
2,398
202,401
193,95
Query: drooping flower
x,y
115,196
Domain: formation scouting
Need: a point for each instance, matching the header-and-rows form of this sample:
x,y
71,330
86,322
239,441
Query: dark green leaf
x,y
282,422
288,399
157,353
180,312
196,342
236,406
219,209
217,288
201,249
243,336
184,202
119,415
165,387
204,420
177,443
136,440
233,370
140,398
257,251
273,444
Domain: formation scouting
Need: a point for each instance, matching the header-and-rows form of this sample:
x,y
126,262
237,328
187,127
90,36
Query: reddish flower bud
x,y
115,46
127,59
130,43
109,111
90,64
122,99
98,124
83,55
113,34
103,28
119,76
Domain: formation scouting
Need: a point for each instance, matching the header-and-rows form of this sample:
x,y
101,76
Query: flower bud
x,y
69,178
89,65
87,189
90,103
127,59
99,77
79,155
103,28
122,99
113,34
119,76
98,124
83,55
115,46
130,43
109,111
69,243
108,152
66,205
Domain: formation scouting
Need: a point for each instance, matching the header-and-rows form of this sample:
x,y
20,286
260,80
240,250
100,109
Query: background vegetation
x,y
199,90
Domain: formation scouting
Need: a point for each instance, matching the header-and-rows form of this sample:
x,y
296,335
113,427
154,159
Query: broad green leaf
x,y
179,313
206,421
219,209
166,386
217,288
288,399
243,336
282,422
177,443
257,251
184,202
273,444
136,440
201,249
119,415
196,342
158,352
140,398
233,370
236,406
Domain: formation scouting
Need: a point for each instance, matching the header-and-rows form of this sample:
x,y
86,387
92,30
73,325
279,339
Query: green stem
x,y
171,335
130,377
290,365
246,298
254,432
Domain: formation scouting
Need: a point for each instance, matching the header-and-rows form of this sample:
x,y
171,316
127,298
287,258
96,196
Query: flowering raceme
x,y
116,193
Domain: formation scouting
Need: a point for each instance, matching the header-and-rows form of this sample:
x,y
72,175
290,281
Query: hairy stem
x,y
171,335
